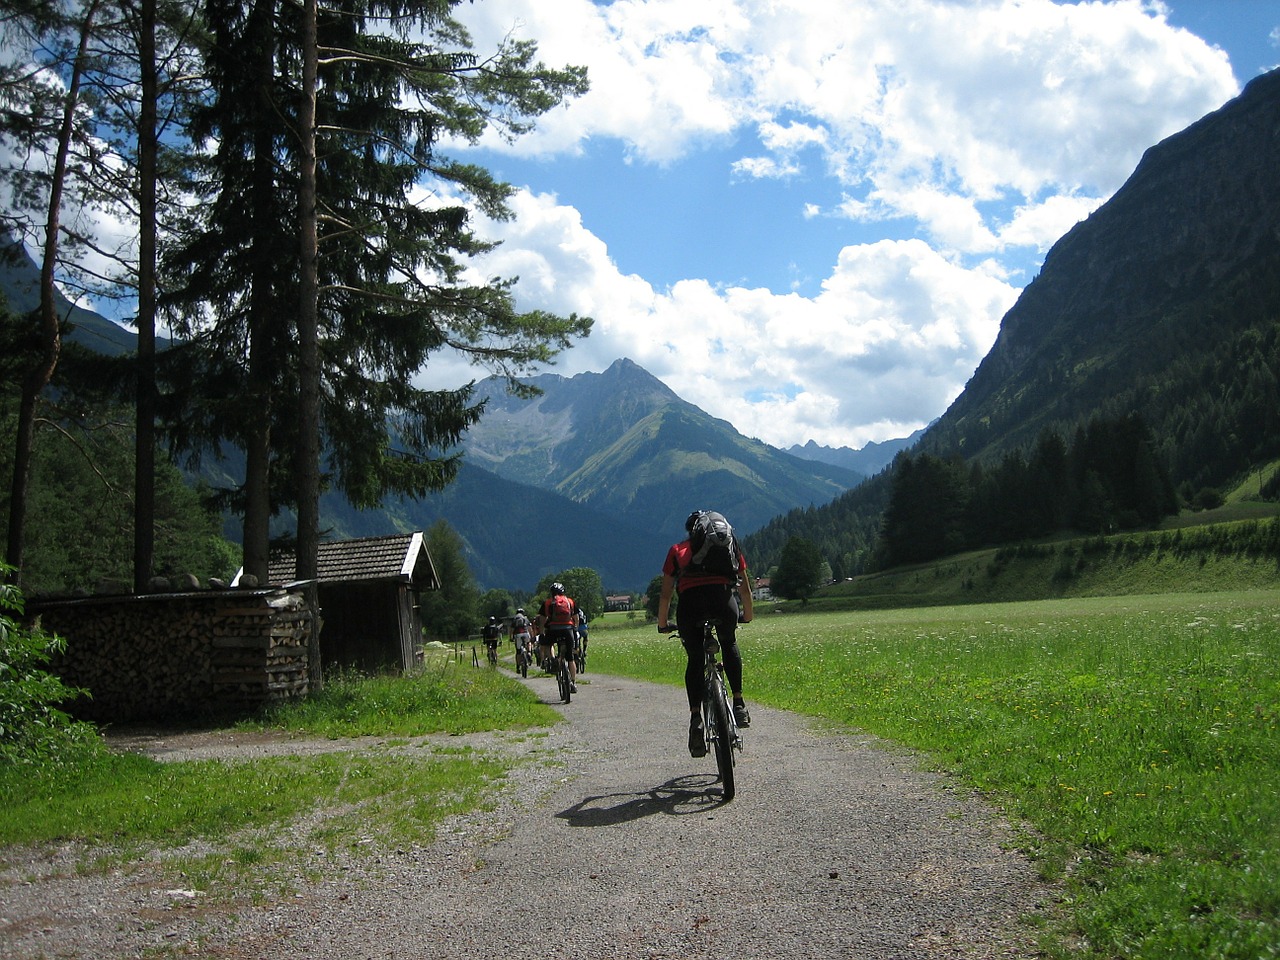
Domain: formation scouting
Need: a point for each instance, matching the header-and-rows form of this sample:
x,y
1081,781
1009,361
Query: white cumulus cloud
x,y
973,133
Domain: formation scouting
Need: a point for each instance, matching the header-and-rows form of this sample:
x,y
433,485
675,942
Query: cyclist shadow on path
x,y
679,797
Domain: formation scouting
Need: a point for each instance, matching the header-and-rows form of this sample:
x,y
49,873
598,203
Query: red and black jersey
x,y
680,556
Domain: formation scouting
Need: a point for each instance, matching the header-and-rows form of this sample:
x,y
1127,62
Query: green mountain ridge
x,y
621,441
20,288
1134,304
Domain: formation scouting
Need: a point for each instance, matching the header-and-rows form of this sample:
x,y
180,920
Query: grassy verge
x,y
445,698
1138,736
135,803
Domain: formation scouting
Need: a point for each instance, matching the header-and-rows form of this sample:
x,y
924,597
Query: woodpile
x,y
181,656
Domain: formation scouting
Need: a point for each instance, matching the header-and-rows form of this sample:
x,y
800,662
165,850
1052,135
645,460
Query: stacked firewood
x,y
181,655
260,655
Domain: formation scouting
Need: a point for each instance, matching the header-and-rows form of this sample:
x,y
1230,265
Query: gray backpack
x,y
714,549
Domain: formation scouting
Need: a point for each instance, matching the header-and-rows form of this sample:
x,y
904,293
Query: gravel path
x,y
610,843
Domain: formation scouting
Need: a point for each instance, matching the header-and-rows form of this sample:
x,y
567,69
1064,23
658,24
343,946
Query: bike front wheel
x,y
722,724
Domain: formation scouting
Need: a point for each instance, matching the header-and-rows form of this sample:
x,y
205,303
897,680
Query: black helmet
x,y
557,589
692,519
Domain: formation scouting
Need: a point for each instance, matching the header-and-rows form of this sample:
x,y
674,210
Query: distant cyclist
x,y
520,633
714,588
558,618
582,637
492,634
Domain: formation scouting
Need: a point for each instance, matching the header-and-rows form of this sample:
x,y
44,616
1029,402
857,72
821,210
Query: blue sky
x,y
808,219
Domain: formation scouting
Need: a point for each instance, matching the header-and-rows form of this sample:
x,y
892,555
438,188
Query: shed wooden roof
x,y
400,556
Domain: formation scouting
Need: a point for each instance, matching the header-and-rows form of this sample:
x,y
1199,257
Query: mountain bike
x,y
718,722
522,655
563,680
558,664
580,653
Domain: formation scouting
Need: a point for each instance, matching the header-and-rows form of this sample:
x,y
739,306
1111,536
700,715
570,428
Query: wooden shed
x,y
368,592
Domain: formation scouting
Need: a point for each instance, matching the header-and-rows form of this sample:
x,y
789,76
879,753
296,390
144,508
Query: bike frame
x,y
718,723
561,669
524,655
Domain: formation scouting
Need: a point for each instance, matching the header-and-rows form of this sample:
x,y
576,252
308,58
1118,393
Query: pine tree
x,y
799,572
394,80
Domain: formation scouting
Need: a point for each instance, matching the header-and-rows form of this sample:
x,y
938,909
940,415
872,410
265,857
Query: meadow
x,y
1134,737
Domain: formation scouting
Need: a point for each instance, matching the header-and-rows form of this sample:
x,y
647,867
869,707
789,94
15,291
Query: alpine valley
x,y
1164,304
599,470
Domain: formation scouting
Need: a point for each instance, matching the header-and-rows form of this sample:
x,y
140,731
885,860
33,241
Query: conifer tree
x,y
799,572
56,127
394,81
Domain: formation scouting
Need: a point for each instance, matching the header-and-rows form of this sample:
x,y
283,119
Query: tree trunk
x,y
257,507
41,372
144,494
308,454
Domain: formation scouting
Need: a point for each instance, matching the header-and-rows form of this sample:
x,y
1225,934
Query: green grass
x,y
132,802
445,699
1137,736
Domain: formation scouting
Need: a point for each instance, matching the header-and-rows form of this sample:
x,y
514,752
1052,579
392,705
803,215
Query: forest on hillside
x,y
1112,473
1205,379
1106,478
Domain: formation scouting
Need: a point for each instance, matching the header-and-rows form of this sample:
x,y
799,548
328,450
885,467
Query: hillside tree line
x,y
1107,478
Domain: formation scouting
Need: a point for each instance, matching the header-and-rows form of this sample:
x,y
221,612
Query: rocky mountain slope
x,y
1180,265
622,442
1164,303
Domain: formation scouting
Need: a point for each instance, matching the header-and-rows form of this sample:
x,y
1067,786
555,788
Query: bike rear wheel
x,y
562,677
722,726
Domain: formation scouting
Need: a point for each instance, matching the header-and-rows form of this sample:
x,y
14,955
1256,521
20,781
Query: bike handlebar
x,y
671,627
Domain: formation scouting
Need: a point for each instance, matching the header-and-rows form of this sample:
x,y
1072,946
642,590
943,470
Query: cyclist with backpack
x,y
522,637
558,618
492,634
707,572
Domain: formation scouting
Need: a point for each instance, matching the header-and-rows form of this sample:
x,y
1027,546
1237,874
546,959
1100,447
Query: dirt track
x,y
834,847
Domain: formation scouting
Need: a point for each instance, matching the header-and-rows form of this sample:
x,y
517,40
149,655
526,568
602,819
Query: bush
x,y
1208,498
32,726
1271,489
